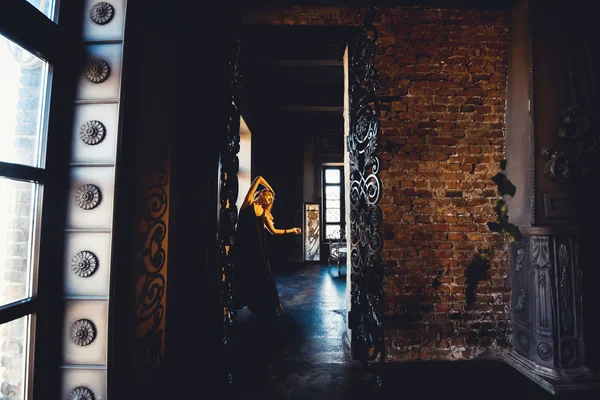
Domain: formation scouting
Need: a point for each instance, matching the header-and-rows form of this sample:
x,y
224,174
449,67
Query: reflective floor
x,y
301,355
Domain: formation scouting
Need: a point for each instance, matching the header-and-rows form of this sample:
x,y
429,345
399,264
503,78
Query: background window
x,y
333,201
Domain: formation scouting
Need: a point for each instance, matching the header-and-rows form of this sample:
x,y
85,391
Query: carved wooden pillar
x,y
549,146
548,339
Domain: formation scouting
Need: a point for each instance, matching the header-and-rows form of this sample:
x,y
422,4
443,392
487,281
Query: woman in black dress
x,y
254,283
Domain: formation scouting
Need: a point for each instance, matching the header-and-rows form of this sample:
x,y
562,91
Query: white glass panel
x,y
113,21
45,6
92,379
109,88
17,212
14,346
104,151
95,284
332,231
23,82
95,352
332,204
332,215
101,215
332,176
332,192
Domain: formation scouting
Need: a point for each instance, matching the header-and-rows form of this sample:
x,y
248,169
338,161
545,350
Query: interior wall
x,y
440,146
518,149
245,176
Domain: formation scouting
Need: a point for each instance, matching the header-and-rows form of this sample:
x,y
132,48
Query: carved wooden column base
x,y
554,381
547,318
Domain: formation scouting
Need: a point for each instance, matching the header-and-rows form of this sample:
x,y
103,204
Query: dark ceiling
x,y
294,74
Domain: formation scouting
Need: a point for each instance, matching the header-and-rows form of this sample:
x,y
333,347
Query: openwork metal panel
x,y
365,189
228,211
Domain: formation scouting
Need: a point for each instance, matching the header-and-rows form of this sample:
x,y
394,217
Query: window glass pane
x,y
14,347
332,231
329,204
45,6
332,193
332,215
332,176
23,80
17,210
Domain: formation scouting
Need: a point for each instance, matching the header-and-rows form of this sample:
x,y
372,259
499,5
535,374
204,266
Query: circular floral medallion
x,y
84,263
92,132
102,12
97,71
545,351
81,393
88,197
83,332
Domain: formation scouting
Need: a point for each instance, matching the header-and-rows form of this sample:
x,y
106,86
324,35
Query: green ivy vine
x,y
478,269
505,188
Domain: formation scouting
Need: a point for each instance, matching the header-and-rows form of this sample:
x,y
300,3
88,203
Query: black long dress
x,y
254,284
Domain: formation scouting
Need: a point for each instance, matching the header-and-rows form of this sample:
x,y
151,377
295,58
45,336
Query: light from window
x,y
332,231
333,211
14,358
17,211
45,6
23,80
332,176
332,192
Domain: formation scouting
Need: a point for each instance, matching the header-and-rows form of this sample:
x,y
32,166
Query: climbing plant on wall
x,y
477,270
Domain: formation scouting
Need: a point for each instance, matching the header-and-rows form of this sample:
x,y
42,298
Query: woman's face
x,y
265,198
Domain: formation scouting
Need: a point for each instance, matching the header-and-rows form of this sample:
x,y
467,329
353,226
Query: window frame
x,y
324,185
60,46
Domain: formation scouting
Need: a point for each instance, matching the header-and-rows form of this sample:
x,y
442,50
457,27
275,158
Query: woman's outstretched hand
x,y
296,231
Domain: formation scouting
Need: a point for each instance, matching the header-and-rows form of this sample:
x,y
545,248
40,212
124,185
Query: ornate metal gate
x,y
228,211
366,292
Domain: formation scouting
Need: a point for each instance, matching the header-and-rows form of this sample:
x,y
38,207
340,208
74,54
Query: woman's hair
x,y
269,206
265,190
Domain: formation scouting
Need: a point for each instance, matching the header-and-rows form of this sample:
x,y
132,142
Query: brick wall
x,y
440,146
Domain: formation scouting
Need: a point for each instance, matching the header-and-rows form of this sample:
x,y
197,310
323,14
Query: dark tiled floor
x,y
301,355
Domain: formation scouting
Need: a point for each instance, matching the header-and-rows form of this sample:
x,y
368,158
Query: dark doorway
x,y
292,105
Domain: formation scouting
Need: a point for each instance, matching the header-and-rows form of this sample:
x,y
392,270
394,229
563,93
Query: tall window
x,y
25,81
333,201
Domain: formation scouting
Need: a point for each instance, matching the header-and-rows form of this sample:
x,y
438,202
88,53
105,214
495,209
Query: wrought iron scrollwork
x,y
366,316
152,266
228,196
